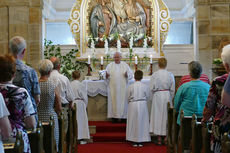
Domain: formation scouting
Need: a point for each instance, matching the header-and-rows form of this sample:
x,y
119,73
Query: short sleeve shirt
x,y
26,77
3,112
19,104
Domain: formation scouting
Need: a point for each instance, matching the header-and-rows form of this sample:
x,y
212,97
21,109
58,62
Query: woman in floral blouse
x,y
214,107
17,101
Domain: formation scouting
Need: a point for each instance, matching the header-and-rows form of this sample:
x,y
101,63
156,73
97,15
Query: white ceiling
x,y
60,9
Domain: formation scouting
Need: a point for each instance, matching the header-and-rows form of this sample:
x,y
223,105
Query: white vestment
x,y
117,85
162,86
137,129
81,100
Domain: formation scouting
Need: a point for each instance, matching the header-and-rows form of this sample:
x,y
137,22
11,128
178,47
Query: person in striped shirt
x,y
187,78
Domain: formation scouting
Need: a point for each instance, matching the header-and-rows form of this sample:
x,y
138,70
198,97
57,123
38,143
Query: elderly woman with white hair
x,y
50,103
215,108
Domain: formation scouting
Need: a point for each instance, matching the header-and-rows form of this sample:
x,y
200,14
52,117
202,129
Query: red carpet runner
x,y
120,148
110,138
108,132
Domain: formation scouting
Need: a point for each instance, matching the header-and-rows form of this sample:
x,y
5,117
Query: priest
x,y
118,74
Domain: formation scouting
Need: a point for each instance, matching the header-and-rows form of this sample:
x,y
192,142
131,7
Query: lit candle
x,y
101,60
135,59
151,59
89,59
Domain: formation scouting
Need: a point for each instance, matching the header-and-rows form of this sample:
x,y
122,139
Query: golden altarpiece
x,y
120,19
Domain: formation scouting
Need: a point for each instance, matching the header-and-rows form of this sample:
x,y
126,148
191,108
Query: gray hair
x,y
17,44
195,69
119,53
45,67
225,55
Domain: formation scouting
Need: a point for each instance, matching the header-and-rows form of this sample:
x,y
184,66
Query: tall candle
x,y
89,59
101,60
151,59
135,59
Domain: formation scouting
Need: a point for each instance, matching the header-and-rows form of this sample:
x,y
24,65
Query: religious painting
x,y
120,19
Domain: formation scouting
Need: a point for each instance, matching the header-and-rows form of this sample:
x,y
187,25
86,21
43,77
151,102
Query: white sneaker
x,y
134,145
140,145
83,142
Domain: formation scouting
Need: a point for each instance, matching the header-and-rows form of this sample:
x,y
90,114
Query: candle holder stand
x,y
89,73
135,67
151,69
102,67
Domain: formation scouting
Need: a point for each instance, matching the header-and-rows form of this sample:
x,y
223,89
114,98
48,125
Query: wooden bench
x,y
70,132
206,135
185,134
15,145
49,143
75,128
36,139
196,135
170,129
175,131
62,134
225,143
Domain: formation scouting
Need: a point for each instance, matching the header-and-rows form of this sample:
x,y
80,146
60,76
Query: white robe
x,y
81,100
137,129
117,85
162,86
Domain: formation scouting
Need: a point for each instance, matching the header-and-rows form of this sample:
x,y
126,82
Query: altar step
x,y
106,131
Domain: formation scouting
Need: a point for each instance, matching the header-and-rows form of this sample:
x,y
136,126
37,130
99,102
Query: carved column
x,y
212,20
22,18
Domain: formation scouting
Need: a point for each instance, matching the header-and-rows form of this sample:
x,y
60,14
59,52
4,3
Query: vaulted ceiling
x,y
60,9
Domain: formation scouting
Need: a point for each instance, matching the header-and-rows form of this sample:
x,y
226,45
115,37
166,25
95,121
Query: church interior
x,y
119,71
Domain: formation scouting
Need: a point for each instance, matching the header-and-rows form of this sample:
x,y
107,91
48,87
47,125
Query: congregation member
x,y
137,130
192,96
25,77
162,86
5,127
187,78
64,89
118,74
17,100
50,103
215,108
81,100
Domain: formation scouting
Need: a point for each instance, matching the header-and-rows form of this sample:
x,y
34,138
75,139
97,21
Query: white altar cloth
x,y
100,86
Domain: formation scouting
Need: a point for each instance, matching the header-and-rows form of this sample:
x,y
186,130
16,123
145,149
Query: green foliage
x,y
217,61
130,55
68,61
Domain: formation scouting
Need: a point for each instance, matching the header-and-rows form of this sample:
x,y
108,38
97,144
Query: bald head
x,y
117,57
56,63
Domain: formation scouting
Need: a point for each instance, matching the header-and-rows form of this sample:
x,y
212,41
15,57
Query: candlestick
x,y
89,68
135,59
101,60
101,67
151,59
151,69
89,59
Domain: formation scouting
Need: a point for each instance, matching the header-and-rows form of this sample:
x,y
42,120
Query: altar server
x,y
137,129
81,101
162,86
118,74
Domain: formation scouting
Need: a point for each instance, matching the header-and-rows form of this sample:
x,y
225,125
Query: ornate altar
x,y
101,27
